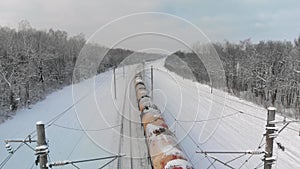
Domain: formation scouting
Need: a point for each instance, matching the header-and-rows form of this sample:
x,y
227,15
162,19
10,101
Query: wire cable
x,y
259,165
75,146
211,119
48,124
246,160
5,160
188,134
78,129
8,158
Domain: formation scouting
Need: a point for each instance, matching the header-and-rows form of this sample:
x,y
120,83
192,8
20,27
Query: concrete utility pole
x,y
144,72
42,148
115,87
270,135
152,82
211,82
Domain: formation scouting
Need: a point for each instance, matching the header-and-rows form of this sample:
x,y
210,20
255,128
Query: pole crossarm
x,y
287,123
243,153
29,140
254,152
19,141
62,163
220,161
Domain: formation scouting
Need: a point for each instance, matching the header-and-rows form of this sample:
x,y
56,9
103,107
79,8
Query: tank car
x,y
163,148
145,102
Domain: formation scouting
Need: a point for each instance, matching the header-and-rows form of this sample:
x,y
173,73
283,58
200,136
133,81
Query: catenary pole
x,y
270,135
42,148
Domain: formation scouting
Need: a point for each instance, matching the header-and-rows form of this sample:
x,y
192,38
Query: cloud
x,y
231,19
74,16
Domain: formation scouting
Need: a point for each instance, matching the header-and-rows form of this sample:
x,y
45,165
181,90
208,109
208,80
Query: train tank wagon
x,y
162,144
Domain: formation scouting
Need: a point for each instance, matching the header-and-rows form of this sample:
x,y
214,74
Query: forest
x,y
34,63
266,73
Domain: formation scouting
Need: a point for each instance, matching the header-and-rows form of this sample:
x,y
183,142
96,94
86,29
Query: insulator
x,y
58,163
256,152
41,150
9,148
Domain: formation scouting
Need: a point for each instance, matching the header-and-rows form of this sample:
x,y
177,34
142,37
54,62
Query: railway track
x,y
131,140
121,133
162,143
130,136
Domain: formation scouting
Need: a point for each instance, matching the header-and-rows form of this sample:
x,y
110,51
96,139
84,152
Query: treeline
x,y
267,72
34,63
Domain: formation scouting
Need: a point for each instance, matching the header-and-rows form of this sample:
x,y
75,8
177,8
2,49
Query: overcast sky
x,y
232,20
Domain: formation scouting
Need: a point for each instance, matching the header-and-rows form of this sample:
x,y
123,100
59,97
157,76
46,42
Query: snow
x,y
39,123
153,130
178,163
272,108
199,119
65,144
219,122
170,150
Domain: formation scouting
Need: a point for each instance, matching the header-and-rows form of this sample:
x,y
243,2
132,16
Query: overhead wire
x,y
238,112
33,165
78,129
248,114
48,124
75,146
259,165
246,161
226,105
211,119
3,163
5,160
192,139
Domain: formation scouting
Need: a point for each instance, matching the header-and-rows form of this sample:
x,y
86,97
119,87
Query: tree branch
x,y
4,77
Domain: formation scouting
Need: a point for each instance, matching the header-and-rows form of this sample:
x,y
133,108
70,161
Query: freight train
x,y
162,144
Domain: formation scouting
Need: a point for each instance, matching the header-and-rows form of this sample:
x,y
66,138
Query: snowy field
x,y
201,121
214,123
83,121
67,140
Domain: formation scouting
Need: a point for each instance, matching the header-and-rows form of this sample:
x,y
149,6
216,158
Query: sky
x,y
218,20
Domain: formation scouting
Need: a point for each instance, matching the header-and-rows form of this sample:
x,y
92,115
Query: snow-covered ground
x,y
214,123
181,99
67,140
83,121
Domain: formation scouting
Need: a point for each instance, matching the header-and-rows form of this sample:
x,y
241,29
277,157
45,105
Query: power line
x,y
62,163
259,165
247,160
5,160
78,129
215,159
108,162
188,134
211,119
49,123
248,114
122,128
8,158
232,107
